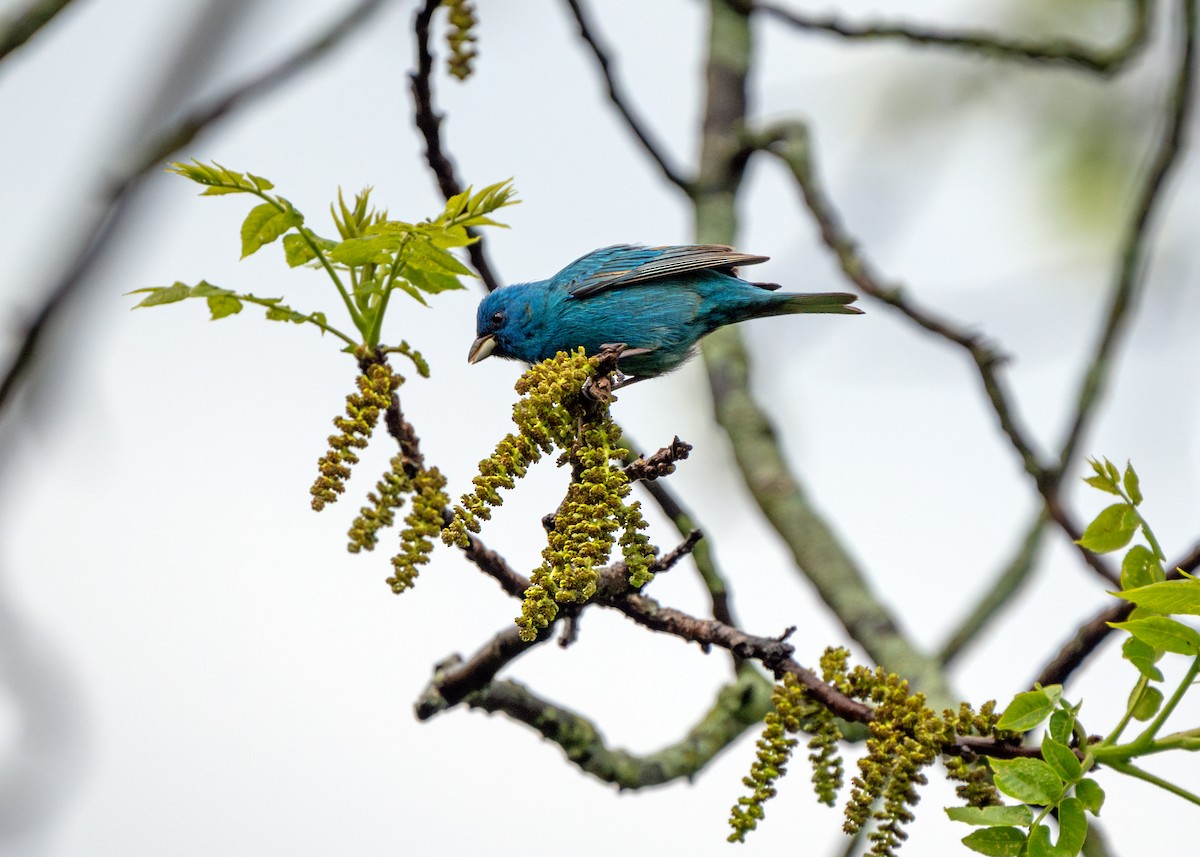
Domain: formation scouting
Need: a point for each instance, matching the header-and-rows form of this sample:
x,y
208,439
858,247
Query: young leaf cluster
x,y
1054,784
554,413
1057,783
372,258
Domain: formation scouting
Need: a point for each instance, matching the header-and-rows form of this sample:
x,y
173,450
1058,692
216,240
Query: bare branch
x,y
661,463
1061,52
1008,583
454,679
429,123
1131,267
615,94
790,143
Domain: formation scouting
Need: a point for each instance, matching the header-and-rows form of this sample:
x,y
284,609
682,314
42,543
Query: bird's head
x,y
498,325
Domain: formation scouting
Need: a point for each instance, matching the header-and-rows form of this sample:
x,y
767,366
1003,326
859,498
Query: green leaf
x,y
1062,759
1169,596
1162,632
1132,487
1072,827
296,250
1111,470
355,252
160,295
1147,703
265,223
432,281
1143,657
1028,780
259,182
1091,796
1112,529
222,305
1028,709
996,841
1140,567
1061,725
406,287
992,816
1103,483
1039,842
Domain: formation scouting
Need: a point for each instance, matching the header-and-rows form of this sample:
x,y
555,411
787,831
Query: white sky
x,y
213,674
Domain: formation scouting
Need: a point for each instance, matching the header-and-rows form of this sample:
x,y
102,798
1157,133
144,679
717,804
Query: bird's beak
x,y
481,348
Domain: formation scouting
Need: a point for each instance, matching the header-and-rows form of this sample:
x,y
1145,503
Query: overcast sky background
x,y
192,663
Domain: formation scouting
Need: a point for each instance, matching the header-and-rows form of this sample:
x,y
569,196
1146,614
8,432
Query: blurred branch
x,y
19,27
791,144
617,96
818,553
1062,52
429,123
1006,585
150,157
1131,267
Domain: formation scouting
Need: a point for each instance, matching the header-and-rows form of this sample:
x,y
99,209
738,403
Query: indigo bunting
x,y
659,301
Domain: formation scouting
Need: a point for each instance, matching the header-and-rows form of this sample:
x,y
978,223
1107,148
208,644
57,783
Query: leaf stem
x,y
251,299
1134,771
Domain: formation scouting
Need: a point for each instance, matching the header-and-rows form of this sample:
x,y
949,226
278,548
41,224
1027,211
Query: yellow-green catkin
x,y
424,521
546,418
461,37
555,413
380,511
376,383
774,752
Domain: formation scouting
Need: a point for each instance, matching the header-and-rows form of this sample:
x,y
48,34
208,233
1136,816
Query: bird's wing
x,y
626,265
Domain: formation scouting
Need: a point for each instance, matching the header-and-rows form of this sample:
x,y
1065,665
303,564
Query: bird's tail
x,y
832,302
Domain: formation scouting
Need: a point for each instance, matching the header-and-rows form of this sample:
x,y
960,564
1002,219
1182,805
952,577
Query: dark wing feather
x,y
670,262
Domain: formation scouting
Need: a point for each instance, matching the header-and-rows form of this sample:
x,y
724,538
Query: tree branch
x,y
429,123
617,96
1006,585
1061,52
817,552
1131,267
790,143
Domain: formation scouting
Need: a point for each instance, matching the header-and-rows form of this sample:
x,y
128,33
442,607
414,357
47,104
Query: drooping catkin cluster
x,y
554,413
376,383
792,712
905,737
461,37
424,521
382,503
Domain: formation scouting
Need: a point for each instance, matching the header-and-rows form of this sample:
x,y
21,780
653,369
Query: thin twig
x,y
1061,52
1131,265
616,95
1000,593
429,123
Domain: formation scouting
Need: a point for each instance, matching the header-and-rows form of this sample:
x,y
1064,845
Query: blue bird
x,y
659,301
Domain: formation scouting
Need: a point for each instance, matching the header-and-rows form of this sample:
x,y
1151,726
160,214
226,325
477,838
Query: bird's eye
x,y
496,320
